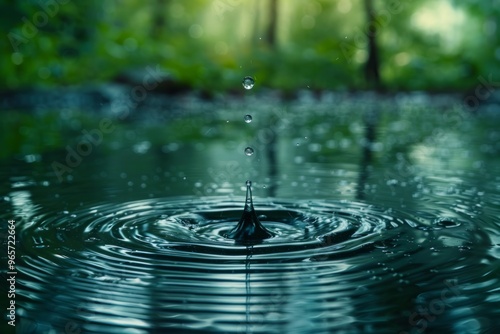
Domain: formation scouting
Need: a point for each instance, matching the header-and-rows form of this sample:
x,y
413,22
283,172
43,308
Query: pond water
x,y
383,214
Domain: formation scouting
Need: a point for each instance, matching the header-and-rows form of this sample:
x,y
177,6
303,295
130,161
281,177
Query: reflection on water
x,y
165,263
382,221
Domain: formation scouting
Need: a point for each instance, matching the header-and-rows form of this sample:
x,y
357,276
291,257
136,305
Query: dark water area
x,y
383,214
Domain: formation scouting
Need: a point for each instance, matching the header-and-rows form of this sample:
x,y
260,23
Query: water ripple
x,y
165,264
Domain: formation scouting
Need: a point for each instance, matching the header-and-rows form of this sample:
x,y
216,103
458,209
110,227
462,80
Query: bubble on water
x,y
247,118
446,223
249,151
248,82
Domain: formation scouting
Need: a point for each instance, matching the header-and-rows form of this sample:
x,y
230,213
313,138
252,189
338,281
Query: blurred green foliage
x,y
423,44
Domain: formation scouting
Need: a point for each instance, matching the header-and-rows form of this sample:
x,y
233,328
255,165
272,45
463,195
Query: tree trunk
x,y
372,74
271,28
158,18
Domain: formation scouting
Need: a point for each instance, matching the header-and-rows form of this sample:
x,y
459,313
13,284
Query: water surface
x,y
383,214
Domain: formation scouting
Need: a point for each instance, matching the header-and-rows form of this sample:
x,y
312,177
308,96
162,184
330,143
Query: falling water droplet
x,y
249,228
248,82
249,151
248,118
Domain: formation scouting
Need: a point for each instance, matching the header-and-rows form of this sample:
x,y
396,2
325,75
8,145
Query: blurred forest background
x,y
433,45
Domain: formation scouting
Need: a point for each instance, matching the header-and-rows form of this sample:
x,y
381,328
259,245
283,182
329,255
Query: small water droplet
x,y
249,151
248,82
248,118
